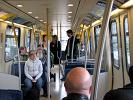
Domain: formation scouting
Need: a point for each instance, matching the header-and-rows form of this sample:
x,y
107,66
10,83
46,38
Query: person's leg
x,y
39,84
28,85
45,88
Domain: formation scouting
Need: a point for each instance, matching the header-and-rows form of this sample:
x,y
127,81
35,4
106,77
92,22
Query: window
x,y
10,43
126,38
114,44
27,40
37,39
97,32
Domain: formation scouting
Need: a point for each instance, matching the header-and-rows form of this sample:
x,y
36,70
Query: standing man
x,y
69,47
55,48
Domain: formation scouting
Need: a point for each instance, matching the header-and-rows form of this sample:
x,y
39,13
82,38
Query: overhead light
x,y
19,5
36,17
70,5
69,16
69,12
29,12
41,20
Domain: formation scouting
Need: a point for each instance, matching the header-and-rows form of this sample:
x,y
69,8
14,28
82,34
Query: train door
x,y
119,50
123,19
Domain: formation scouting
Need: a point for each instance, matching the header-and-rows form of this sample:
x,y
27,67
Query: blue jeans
x,y
28,84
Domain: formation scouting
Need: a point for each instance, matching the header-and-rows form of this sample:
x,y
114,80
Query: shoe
x,y
46,95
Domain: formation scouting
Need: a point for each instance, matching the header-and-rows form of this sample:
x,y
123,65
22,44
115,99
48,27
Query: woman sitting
x,y
33,70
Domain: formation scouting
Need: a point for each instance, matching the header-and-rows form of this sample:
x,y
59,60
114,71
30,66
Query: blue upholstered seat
x,y
11,95
15,70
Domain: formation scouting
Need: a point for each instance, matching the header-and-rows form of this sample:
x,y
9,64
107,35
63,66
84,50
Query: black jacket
x,y
125,93
69,46
76,96
56,50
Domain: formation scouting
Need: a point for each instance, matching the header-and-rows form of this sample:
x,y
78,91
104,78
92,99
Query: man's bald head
x,y
78,80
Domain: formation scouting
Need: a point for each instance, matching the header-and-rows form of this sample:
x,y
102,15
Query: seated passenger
x,y
125,93
23,54
41,54
78,84
33,70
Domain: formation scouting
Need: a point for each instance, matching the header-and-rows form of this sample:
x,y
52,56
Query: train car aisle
x,y
57,88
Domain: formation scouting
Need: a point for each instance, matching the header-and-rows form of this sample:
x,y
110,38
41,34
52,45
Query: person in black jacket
x,y
55,48
69,47
125,93
78,86
130,73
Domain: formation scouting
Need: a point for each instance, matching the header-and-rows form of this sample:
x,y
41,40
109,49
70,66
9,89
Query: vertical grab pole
x,y
48,57
59,53
57,47
72,48
86,47
99,53
19,68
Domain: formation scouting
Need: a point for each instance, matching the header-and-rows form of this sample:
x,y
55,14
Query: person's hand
x,y
34,81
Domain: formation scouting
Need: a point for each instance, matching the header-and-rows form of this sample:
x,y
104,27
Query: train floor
x,y
56,88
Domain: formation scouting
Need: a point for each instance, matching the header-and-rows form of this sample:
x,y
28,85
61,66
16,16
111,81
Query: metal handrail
x,y
48,56
19,69
73,47
99,53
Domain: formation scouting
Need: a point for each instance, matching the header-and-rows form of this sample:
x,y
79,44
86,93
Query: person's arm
x,y
59,46
77,40
26,71
40,71
66,47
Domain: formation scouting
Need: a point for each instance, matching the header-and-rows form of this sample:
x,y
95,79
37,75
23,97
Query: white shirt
x,y
33,69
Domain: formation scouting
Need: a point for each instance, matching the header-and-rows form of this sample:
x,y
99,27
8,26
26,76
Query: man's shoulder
x,y
129,86
119,94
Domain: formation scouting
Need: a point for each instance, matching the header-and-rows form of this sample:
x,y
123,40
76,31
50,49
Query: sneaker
x,y
46,95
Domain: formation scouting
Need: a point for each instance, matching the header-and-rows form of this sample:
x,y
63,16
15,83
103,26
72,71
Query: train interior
x,y
104,28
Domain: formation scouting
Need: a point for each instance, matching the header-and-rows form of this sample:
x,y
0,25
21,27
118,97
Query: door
x,y
119,50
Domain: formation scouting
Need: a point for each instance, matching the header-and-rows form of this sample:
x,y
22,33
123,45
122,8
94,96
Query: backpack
x,y
33,94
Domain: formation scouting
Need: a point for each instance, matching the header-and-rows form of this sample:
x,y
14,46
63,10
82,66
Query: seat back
x,y
10,95
71,65
15,70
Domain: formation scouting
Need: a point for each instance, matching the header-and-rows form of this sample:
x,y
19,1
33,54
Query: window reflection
x,y
27,40
127,41
114,43
10,42
97,32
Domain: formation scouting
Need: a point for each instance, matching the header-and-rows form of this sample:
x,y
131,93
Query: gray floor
x,y
56,88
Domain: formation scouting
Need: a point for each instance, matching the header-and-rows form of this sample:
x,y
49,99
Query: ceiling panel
x,y
58,10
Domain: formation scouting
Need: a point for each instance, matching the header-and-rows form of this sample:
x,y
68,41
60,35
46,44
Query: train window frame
x,y
96,35
37,39
29,40
117,66
125,40
11,57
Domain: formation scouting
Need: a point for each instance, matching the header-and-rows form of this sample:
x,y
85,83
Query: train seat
x,y
15,70
11,95
89,67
